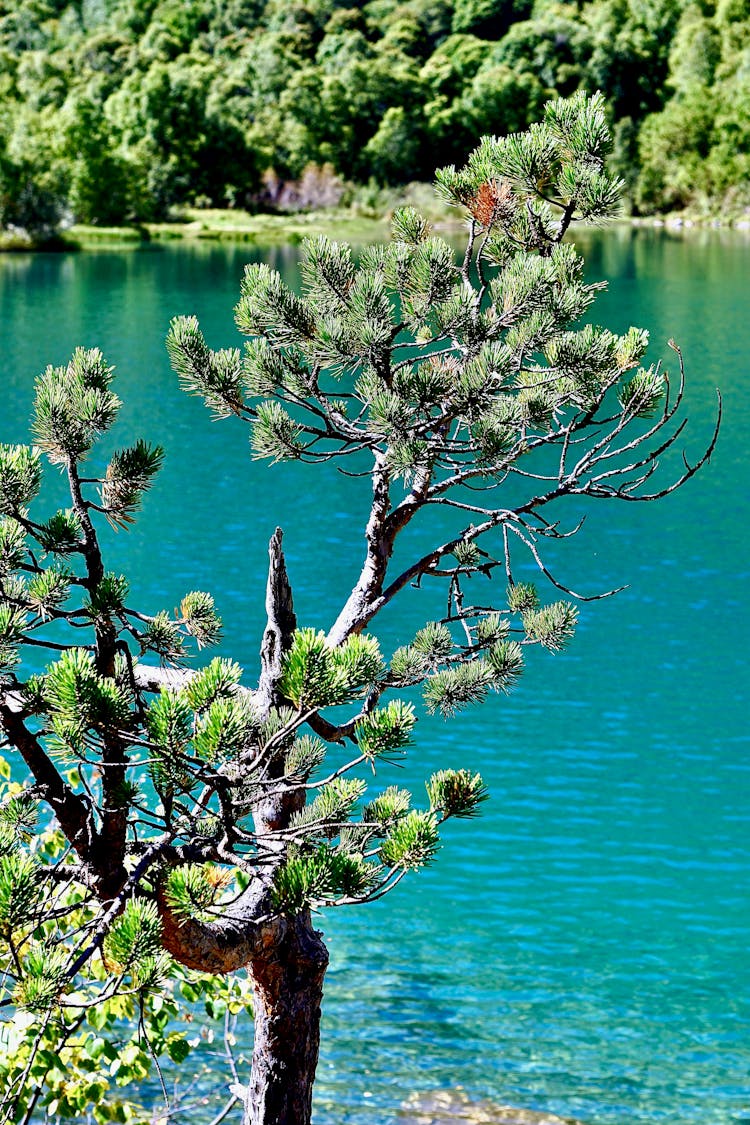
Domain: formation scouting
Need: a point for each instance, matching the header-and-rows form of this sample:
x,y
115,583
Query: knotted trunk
x,y
288,980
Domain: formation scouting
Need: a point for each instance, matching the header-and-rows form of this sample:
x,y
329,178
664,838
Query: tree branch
x,y
74,814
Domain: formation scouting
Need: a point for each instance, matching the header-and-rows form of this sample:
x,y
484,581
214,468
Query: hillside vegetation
x,y
115,110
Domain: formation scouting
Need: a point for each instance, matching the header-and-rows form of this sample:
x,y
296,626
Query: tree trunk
x,y
288,980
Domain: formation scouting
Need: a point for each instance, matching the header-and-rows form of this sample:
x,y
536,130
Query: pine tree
x,y
198,821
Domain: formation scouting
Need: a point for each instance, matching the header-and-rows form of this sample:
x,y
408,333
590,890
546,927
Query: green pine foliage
x,y
161,635
522,597
74,406
108,597
224,729
218,680
44,979
316,675
412,842
452,689
48,591
133,937
129,473
304,756
642,395
20,477
213,375
320,877
193,891
170,728
332,806
61,533
552,626
200,619
387,808
385,732
21,892
456,792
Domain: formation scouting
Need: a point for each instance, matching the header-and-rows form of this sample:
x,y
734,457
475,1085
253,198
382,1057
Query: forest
x,y
122,110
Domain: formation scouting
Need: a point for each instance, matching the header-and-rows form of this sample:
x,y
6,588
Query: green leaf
x,y
407,225
304,756
134,937
357,663
642,395
327,272
522,596
552,626
314,675
191,890
225,729
178,1047
12,545
215,376
21,891
408,666
61,534
108,598
313,878
44,977
386,731
169,722
48,591
456,792
73,406
467,554
386,808
332,806
264,371
275,434
217,680
434,642
200,618
13,621
300,881
129,473
412,842
20,477
20,813
505,658
491,629
454,688
162,636
268,307
78,696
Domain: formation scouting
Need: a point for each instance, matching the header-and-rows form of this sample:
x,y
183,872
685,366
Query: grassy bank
x,y
236,226
217,226
355,224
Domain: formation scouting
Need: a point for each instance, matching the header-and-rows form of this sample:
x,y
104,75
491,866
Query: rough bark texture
x,y
219,947
288,980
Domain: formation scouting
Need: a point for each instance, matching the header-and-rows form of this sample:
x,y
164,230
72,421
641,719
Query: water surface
x,y
583,946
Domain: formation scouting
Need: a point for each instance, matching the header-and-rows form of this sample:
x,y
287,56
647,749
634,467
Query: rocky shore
x,y
455,1107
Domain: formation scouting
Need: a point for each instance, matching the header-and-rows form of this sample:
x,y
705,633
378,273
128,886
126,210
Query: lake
x,y
582,947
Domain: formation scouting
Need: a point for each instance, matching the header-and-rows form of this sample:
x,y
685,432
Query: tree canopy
x,y
120,110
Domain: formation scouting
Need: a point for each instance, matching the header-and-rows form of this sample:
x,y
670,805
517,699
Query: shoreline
x,y
213,226
268,229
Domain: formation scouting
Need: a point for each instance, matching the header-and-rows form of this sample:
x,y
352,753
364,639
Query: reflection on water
x,y
582,947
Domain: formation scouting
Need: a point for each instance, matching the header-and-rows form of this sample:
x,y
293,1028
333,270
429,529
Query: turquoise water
x,y
583,946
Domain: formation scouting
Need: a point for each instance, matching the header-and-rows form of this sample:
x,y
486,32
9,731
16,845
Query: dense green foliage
x,y
115,109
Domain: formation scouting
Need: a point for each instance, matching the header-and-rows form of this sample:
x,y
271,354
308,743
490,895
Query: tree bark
x,y
288,981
